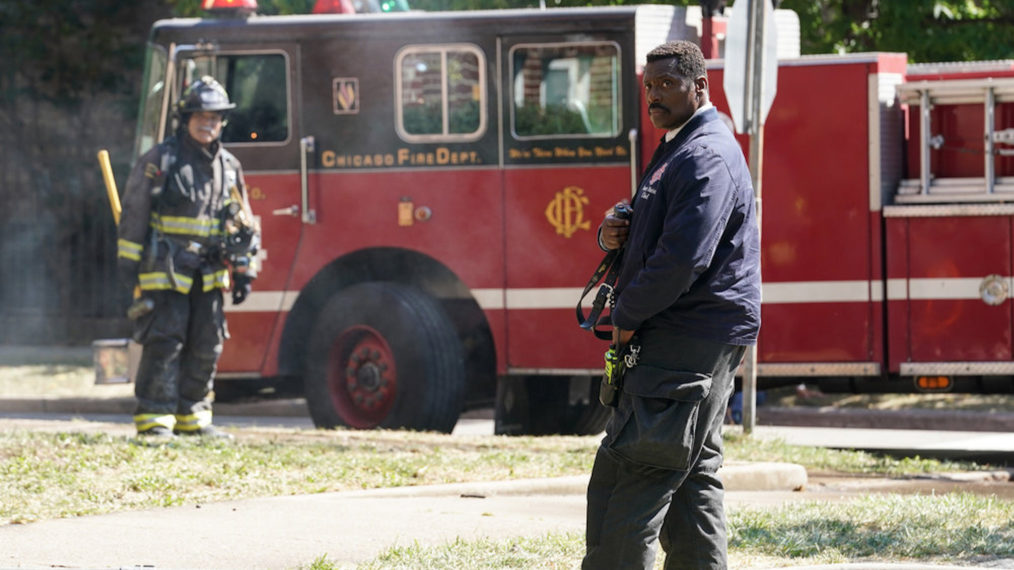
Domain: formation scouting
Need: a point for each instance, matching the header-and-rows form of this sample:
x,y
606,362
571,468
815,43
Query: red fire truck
x,y
429,188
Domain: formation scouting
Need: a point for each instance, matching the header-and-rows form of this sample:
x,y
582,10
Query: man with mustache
x,y
688,296
186,234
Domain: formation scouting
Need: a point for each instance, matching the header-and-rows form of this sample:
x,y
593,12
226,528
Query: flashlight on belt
x,y
612,378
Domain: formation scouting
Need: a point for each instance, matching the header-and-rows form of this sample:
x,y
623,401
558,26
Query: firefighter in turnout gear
x,y
186,235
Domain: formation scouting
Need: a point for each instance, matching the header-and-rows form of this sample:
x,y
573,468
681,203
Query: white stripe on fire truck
x,y
816,292
958,288
924,289
262,301
773,293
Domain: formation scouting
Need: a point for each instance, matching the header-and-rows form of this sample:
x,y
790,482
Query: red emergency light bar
x,y
241,7
334,7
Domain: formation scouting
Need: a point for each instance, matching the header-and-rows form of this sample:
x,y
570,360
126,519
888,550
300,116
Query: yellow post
x,y
114,196
107,175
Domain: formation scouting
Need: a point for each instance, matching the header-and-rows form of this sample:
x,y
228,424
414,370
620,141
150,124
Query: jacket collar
x,y
683,132
194,147
705,114
673,132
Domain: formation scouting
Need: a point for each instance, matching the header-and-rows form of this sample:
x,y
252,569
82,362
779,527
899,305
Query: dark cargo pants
x,y
182,339
654,473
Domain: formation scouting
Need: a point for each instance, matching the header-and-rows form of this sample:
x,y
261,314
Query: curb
x,y
949,420
292,407
998,476
575,484
880,566
763,476
67,405
282,408
735,477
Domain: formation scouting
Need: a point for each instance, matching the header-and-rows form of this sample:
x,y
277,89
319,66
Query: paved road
x,y
995,447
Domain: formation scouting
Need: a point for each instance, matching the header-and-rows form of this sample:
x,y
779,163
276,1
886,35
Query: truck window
x,y
257,84
441,93
565,90
151,99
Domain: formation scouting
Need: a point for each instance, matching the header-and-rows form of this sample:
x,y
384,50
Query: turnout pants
x,y
182,340
654,472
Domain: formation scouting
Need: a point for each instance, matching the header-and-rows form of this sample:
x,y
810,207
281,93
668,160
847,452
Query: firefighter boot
x,y
209,431
198,423
156,432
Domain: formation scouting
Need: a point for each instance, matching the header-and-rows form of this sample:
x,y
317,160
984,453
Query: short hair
x,y
690,61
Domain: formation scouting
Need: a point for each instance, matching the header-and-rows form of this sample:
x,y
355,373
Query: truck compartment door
x,y
568,111
263,132
949,281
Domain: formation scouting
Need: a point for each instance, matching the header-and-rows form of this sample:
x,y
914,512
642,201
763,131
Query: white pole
x,y
755,127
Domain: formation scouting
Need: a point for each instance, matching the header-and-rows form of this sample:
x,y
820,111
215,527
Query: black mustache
x,y
658,106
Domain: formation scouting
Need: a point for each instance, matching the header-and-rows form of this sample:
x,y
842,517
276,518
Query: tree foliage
x,y
62,50
927,30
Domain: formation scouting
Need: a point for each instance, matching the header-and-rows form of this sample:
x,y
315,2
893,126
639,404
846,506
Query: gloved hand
x,y
241,287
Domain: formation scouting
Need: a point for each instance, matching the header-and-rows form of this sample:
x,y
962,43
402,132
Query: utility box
x,y
116,360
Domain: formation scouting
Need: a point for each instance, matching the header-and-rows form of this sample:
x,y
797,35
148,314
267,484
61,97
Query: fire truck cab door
x,y
263,132
568,111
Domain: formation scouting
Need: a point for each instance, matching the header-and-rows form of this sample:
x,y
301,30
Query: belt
x,y
205,251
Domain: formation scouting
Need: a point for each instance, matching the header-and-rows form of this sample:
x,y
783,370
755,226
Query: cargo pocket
x,y
142,327
660,424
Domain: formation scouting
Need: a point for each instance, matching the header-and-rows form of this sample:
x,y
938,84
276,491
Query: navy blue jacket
x,y
691,264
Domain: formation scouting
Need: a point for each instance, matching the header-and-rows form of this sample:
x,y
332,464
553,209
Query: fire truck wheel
x,y
384,355
544,405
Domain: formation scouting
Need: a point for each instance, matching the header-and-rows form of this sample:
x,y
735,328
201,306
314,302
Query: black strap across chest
x,y
606,272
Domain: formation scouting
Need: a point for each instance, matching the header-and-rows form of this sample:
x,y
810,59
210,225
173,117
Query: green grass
x,y
47,475
51,475
551,551
740,447
955,528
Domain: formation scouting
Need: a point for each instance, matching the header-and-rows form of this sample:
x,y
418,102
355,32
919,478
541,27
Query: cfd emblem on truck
x,y
566,211
345,95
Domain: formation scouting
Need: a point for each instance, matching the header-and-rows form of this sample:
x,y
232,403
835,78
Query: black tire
x,y
384,355
544,405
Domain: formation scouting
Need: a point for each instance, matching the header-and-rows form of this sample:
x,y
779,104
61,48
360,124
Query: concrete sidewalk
x,y
288,532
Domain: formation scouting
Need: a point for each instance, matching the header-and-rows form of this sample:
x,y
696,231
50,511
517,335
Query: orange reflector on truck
x,y
933,383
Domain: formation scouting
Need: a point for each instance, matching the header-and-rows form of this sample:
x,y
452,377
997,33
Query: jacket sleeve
x,y
136,215
699,196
